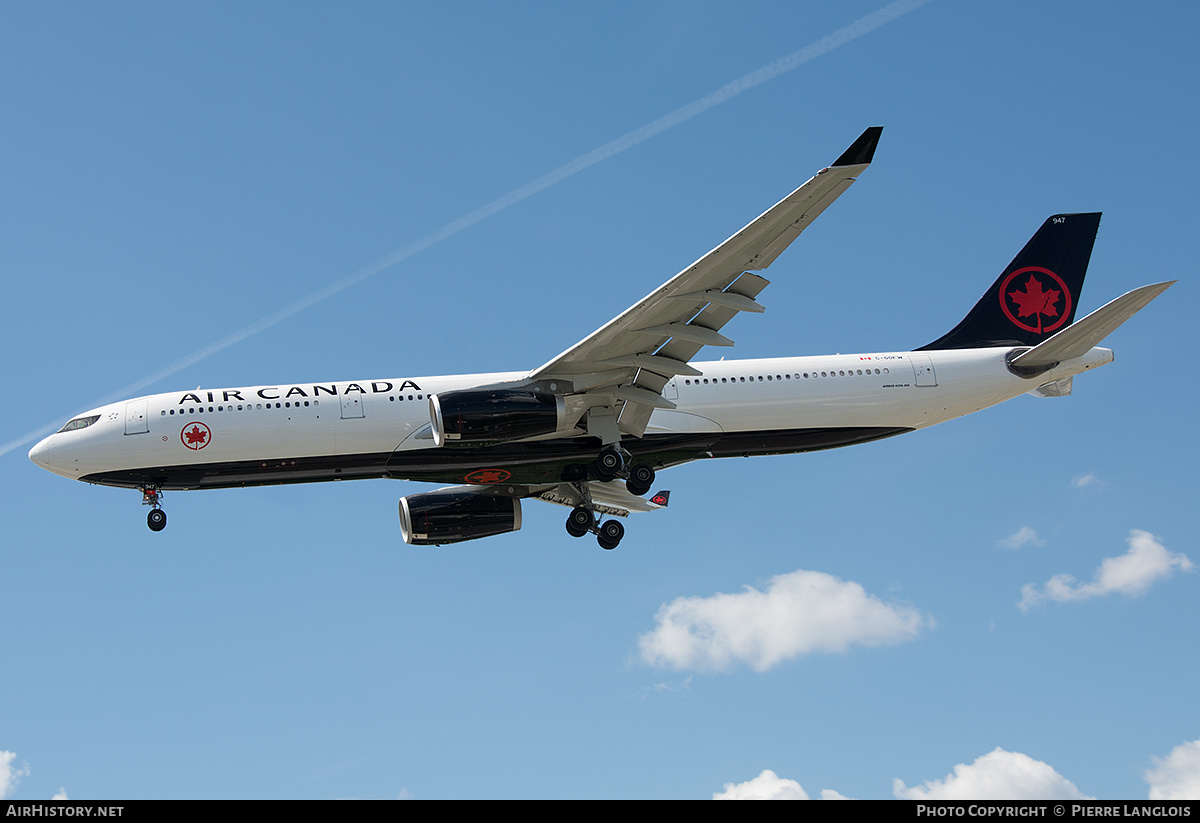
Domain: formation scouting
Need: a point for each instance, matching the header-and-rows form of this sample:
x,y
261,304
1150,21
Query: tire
x,y
579,521
611,532
156,520
640,480
607,464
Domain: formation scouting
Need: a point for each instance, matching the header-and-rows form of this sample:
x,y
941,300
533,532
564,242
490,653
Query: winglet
x,y
862,150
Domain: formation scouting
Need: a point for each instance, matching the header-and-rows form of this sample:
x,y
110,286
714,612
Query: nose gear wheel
x,y
156,518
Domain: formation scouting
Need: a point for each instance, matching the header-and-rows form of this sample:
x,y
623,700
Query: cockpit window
x,y
80,423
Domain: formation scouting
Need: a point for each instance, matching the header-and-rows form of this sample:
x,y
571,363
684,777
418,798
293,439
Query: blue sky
x,y
175,175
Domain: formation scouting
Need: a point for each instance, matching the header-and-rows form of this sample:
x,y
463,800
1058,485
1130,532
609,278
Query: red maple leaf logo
x,y
196,435
1035,301
488,476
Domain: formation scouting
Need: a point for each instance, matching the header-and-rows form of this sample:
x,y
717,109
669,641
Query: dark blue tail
x,y
1038,292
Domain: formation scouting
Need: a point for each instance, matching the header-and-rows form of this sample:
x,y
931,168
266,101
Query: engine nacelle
x,y
453,515
476,416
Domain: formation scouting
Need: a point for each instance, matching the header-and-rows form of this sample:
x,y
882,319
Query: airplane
x,y
591,428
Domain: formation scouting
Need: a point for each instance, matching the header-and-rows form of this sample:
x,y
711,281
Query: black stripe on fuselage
x,y
540,462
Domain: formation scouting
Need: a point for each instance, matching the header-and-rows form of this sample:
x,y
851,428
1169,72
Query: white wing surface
x,y
619,370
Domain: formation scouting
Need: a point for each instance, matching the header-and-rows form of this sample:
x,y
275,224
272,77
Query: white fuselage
x,y
325,431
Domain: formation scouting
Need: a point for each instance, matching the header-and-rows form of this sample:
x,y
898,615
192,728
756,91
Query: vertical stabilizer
x,y
1037,293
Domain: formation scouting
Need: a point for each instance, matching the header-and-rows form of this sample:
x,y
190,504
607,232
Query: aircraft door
x,y
135,417
923,367
352,405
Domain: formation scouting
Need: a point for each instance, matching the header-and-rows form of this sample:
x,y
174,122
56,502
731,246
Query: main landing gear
x,y
581,520
612,463
156,518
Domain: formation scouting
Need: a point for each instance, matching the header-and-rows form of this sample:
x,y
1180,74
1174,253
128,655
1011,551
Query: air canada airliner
x,y
591,428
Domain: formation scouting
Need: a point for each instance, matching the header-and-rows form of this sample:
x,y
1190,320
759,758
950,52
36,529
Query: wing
x,y
608,497
618,372
605,497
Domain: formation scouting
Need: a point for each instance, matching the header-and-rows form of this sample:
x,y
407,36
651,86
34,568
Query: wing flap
x,y
729,299
716,314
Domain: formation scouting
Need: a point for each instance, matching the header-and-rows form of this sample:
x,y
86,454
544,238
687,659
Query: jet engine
x,y
455,515
476,416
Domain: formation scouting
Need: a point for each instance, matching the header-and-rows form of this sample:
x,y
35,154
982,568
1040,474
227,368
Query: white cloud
x,y
1082,481
796,614
61,794
1131,574
1176,776
1025,536
9,776
767,786
999,775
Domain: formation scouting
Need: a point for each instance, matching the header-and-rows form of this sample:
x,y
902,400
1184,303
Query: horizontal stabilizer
x,y
1078,339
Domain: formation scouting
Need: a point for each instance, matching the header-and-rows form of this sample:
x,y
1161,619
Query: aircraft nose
x,y
50,454
39,452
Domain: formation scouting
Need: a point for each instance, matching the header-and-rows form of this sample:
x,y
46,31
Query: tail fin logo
x,y
1030,294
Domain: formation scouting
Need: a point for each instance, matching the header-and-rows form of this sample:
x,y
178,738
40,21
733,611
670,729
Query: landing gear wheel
x,y
611,532
580,521
156,519
152,497
640,480
608,464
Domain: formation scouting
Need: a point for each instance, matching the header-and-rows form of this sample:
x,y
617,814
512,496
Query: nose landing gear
x,y
156,518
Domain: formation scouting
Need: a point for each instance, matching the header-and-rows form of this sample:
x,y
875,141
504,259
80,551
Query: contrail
x,y
864,25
